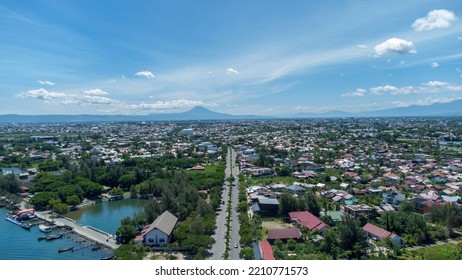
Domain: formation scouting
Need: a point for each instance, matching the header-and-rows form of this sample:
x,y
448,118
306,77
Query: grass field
x,y
439,252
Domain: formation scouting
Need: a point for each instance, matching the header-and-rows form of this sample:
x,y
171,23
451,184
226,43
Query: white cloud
x,y
425,101
95,91
434,64
41,94
59,98
395,45
382,89
436,84
48,83
425,88
168,105
434,19
362,46
146,74
232,71
94,100
359,92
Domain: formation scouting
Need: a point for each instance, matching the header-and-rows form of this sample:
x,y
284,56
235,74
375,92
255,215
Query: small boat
x,y
40,238
65,249
54,236
45,228
13,220
26,226
107,257
19,223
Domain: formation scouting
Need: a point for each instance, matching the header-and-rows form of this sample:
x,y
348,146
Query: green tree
x,y
61,208
41,200
73,200
9,183
287,203
130,252
127,180
116,191
125,233
351,237
246,253
311,202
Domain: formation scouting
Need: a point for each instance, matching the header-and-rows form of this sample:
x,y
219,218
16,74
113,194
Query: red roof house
x,y
198,167
284,233
266,251
378,233
308,220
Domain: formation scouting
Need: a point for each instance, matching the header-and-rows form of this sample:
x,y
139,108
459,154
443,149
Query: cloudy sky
x,y
259,57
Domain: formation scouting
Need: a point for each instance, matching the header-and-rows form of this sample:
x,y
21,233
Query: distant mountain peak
x,y
199,109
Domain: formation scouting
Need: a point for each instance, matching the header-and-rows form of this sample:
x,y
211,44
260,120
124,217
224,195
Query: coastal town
x,y
280,189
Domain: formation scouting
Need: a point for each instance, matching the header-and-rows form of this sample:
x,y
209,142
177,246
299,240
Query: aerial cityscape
x,y
169,130
341,188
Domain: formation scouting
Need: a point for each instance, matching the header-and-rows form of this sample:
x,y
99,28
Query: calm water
x,y
17,243
106,216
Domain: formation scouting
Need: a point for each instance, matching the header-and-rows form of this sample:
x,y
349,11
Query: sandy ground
x,y
275,224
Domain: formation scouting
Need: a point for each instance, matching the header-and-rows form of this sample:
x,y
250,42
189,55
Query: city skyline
x,y
263,58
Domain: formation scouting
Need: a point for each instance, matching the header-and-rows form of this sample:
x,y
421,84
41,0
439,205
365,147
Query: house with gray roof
x,y
159,232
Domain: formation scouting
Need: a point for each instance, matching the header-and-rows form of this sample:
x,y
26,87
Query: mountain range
x,y
451,109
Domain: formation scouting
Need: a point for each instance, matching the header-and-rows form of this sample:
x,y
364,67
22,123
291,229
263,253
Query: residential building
x,y
159,232
378,233
308,220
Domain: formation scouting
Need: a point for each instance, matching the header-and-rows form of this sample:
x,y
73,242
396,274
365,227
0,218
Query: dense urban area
x,y
323,189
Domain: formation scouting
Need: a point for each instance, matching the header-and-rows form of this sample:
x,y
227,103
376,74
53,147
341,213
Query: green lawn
x,y
439,252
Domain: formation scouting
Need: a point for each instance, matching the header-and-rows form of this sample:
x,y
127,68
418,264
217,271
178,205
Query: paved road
x,y
235,237
218,248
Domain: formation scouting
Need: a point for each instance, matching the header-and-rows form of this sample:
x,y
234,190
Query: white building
x,y
159,232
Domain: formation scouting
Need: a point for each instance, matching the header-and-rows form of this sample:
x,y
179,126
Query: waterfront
x,y
17,243
106,216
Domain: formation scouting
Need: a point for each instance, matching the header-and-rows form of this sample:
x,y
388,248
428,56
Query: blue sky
x,y
260,57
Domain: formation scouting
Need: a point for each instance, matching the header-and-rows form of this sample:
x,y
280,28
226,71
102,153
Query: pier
x,y
98,236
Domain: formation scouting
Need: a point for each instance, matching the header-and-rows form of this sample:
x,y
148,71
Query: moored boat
x,y
54,236
13,220
65,249
19,223
26,226
45,228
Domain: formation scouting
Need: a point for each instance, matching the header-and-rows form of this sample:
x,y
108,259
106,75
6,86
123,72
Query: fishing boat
x,y
45,228
19,223
26,226
54,236
65,249
13,220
